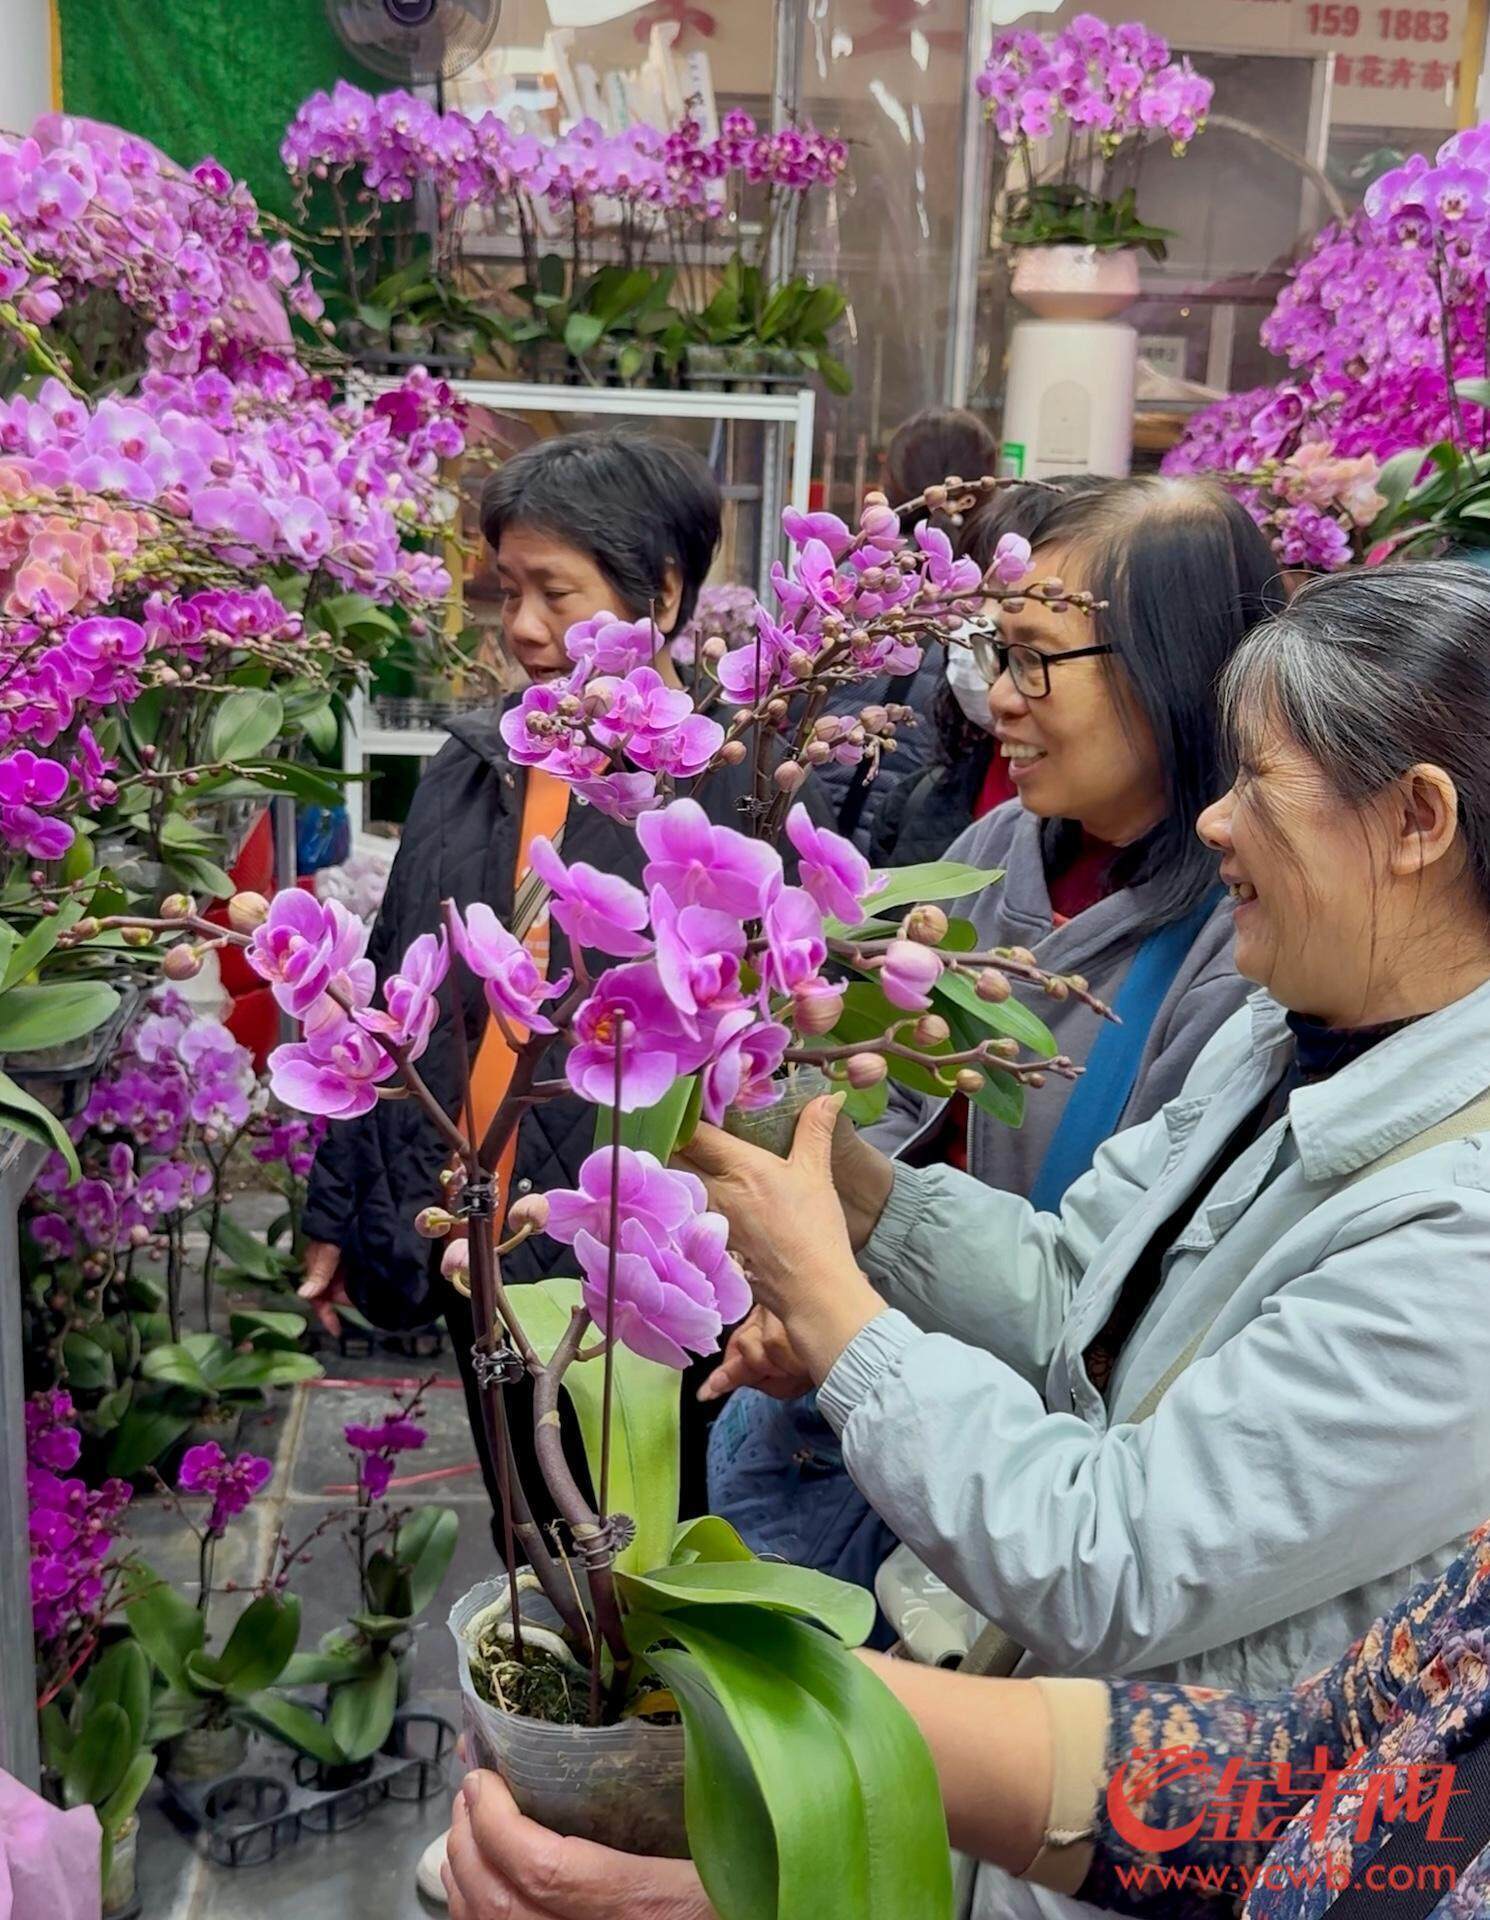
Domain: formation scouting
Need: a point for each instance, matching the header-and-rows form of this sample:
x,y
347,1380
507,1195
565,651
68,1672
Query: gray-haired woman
x,y
1203,1422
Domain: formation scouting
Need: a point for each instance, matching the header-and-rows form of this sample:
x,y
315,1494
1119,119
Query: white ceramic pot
x,y
1075,283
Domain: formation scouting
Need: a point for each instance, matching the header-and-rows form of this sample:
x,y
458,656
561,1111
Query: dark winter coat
x,y
373,1175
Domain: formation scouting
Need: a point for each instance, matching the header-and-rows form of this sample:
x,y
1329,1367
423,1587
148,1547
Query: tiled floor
x,y
366,1873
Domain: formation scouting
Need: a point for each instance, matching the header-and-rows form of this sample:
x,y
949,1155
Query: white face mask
x,y
969,688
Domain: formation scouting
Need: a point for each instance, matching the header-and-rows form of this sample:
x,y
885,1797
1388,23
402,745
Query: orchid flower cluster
x,y
154,1139
1114,82
73,1531
725,612
384,147
1382,323
720,975
85,207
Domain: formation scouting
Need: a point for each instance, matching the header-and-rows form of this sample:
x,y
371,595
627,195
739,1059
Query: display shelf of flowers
x,y
624,1671
1072,111
644,254
201,548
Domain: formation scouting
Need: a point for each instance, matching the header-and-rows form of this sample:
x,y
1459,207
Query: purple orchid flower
x,y
795,944
514,986
909,972
629,1011
597,910
700,865
699,951
832,869
661,1198
746,1052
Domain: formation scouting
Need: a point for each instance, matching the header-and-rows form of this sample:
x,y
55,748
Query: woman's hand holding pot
x,y
501,1866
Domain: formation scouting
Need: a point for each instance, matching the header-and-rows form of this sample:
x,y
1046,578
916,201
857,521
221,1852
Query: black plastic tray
x,y
245,1818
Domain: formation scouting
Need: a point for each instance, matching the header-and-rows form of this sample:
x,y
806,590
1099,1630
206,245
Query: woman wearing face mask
x,y
586,524
1225,1405
1107,725
967,778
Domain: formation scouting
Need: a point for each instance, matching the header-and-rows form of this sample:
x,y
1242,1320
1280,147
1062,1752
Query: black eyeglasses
x,y
1026,666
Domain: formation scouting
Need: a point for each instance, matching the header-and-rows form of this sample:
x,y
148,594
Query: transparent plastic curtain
x,y
890,78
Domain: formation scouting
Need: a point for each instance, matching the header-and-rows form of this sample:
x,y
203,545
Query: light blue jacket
x,y
1329,1444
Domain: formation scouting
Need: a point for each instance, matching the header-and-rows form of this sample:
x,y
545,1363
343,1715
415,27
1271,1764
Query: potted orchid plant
x,y
628,1675
1073,109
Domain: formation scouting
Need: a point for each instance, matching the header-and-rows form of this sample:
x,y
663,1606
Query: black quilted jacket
x,y
372,1175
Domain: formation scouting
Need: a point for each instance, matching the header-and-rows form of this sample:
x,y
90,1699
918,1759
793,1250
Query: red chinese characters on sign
x,y
1252,1802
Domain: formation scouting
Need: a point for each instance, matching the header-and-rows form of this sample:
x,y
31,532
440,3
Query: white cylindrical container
x,y
1068,398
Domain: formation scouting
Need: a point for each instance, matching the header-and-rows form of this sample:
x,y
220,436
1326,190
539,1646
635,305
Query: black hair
x,y
635,504
1375,672
1184,572
934,445
1021,509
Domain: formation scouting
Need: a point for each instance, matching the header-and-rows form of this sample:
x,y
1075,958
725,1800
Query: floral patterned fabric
x,y
1411,1694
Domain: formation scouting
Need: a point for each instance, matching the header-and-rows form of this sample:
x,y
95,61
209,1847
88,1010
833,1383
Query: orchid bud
x,y
714,649
1022,957
863,1070
817,1006
908,973
732,753
800,664
992,986
139,1236
1054,586
876,497
927,924
456,1259
1077,982
183,962
138,937
877,522
530,1211
789,775
86,928
776,709
1035,1080
827,728
817,753
1004,1048
1057,990
968,1081
875,718
935,497
932,1030
247,911
433,1223
177,906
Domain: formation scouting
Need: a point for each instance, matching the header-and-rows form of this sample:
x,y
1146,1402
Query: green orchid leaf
x,y
708,1538
772,1585
120,1677
796,1749
115,1812
656,1129
25,955
645,1413
143,1436
426,1545
262,1640
22,1113
296,1725
930,880
53,1015
362,1710
244,723
165,1623
1009,1017
99,1759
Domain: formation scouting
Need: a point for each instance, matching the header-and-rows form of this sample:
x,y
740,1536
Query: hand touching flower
x,y
787,1226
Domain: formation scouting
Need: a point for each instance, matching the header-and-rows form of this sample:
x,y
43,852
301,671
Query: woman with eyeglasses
x,y
1107,726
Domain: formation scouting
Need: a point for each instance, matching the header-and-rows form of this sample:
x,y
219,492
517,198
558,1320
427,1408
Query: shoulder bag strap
x,y
994,1652
1095,1104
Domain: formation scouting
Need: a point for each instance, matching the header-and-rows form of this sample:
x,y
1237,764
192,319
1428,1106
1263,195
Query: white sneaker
x,y
427,1873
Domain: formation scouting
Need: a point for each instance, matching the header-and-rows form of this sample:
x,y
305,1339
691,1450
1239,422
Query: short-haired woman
x,y
589,523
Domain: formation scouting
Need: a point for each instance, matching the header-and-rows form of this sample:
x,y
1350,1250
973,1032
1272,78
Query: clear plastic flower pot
x,y
620,1786
207,1753
774,1128
119,1890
